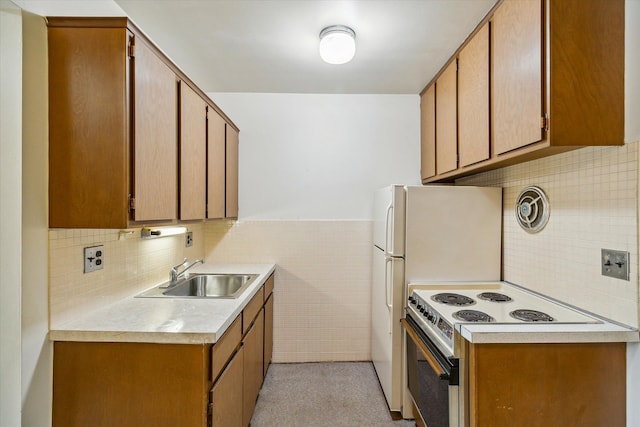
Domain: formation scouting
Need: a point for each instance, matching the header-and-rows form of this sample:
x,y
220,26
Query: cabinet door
x,y
473,99
88,133
428,133
446,120
268,333
193,154
215,164
226,394
155,145
253,367
517,74
231,210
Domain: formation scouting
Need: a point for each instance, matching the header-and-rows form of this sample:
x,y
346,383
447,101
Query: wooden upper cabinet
x,y
88,126
155,144
473,99
428,133
586,72
193,154
447,120
231,192
556,74
517,74
115,128
216,128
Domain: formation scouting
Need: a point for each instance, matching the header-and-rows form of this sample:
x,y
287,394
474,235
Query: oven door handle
x,y
425,351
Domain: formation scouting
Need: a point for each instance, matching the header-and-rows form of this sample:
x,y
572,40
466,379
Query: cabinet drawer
x,y
268,286
225,346
251,310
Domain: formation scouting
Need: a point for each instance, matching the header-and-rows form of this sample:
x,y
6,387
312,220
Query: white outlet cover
x,y
93,258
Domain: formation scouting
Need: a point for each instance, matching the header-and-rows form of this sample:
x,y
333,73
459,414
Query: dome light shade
x,y
337,44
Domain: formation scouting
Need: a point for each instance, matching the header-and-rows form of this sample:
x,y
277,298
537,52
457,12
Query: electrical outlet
x,y
188,239
615,264
93,258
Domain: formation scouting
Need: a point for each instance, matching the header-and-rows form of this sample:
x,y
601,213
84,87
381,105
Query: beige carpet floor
x,y
323,395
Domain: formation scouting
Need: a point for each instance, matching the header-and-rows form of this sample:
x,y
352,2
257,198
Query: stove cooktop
x,y
498,300
438,307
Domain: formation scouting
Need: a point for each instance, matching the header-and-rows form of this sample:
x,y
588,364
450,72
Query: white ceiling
x,y
272,45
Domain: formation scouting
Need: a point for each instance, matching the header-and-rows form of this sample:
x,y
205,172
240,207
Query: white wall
x,y
632,133
321,156
10,210
309,165
36,348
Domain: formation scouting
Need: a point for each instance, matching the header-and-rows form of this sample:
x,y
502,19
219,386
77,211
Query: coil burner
x,y
453,299
531,316
494,297
472,316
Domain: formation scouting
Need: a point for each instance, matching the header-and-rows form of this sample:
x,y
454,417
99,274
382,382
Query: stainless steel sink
x,y
204,286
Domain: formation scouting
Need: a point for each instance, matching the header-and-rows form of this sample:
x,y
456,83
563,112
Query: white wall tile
x,y
322,284
593,198
130,266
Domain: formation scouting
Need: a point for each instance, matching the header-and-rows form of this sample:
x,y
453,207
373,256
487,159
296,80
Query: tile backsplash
x,y
593,198
131,264
322,285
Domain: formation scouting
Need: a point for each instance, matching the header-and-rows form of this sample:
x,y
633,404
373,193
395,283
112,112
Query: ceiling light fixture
x,y
337,44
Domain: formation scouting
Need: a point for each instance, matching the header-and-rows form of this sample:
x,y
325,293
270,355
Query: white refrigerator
x,y
425,233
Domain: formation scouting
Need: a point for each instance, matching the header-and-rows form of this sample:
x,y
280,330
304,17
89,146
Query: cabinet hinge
x,y
132,203
544,122
131,49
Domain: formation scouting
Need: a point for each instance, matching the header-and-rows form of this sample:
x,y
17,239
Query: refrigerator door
x,y
389,219
453,233
386,336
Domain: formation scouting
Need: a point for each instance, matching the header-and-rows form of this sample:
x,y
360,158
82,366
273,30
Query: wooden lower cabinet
x,y
268,333
130,384
148,384
226,395
253,344
573,384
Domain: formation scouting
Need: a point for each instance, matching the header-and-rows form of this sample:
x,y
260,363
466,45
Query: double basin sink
x,y
203,286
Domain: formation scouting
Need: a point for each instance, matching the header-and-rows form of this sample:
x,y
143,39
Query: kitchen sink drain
x,y
532,209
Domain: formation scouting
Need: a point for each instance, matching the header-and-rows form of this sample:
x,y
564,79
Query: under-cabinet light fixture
x,y
122,234
154,232
337,44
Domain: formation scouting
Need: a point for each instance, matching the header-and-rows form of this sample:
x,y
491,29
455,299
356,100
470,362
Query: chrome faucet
x,y
174,271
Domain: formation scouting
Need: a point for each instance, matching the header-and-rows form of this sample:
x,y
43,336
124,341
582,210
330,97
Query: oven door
x,y
432,378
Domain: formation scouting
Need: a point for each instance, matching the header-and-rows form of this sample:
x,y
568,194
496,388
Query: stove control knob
x,y
412,300
420,308
430,317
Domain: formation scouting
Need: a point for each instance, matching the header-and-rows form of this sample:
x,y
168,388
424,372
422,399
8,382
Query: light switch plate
x,y
615,264
93,258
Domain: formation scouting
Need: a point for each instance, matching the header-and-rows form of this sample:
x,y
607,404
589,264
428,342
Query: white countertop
x,y
166,320
485,333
